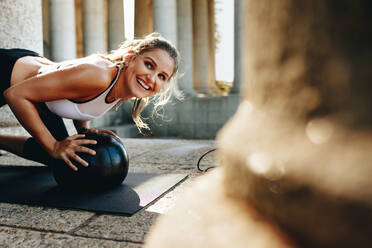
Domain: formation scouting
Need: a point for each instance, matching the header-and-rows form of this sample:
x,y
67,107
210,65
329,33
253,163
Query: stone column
x,y
115,23
62,30
45,5
79,28
165,19
95,26
143,18
165,23
212,50
185,37
238,47
21,26
201,54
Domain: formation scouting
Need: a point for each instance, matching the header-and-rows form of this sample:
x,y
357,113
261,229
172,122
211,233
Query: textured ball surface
x,y
107,169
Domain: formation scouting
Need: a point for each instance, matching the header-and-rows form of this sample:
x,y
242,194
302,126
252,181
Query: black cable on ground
x,y
198,164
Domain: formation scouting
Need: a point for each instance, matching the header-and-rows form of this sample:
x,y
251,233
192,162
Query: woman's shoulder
x,y
96,60
93,67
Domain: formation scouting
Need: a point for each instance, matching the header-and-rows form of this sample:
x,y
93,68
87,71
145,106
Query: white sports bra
x,y
87,110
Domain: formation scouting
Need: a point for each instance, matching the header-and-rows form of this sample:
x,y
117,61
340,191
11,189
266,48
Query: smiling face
x,y
147,73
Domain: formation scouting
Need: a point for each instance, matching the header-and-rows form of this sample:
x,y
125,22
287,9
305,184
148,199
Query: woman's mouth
x,y
143,84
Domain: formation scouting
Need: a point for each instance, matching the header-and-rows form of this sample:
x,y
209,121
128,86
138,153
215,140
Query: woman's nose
x,y
151,77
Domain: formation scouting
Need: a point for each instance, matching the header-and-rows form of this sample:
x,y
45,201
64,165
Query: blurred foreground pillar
x,y
294,161
298,148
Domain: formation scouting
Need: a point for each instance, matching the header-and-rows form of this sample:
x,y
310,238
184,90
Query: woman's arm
x,y
72,83
81,126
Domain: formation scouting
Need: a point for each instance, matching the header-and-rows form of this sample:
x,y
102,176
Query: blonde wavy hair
x,y
139,46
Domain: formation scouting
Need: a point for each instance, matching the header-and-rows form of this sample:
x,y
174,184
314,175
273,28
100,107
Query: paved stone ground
x,y
30,226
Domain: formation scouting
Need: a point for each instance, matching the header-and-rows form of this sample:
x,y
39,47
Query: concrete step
x,y
14,130
124,131
7,118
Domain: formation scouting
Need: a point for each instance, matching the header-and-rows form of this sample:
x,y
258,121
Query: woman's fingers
x,y
77,141
85,149
67,150
92,130
104,131
85,142
69,163
110,133
76,136
78,146
71,154
79,159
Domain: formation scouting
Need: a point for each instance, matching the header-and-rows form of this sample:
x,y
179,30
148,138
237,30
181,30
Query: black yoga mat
x,y
35,185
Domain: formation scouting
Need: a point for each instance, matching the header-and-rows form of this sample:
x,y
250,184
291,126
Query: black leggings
x,y
33,150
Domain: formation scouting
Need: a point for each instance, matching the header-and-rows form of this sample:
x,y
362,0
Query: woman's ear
x,y
129,57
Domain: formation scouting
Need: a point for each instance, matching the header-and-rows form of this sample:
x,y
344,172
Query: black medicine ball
x,y
108,168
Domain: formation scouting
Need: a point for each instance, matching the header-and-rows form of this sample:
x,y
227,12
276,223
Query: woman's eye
x,y
162,77
148,65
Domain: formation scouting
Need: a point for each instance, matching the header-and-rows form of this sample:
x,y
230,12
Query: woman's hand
x,y
67,148
93,130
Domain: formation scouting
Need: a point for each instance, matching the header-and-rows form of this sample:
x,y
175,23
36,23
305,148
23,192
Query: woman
x,y
40,92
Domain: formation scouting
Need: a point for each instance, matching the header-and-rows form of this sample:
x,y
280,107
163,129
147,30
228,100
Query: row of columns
x,y
102,26
188,24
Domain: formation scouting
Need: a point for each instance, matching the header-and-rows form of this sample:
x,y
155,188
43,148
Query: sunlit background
x,y
224,17
224,14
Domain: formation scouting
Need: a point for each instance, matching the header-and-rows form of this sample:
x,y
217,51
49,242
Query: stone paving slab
x,y
49,219
189,169
168,201
16,238
119,228
11,159
158,151
30,226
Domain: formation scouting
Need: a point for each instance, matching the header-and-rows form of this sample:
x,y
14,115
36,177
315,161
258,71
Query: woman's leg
x,y
13,144
33,150
28,147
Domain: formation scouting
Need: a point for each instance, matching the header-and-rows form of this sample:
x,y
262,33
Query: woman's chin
x,y
138,92
142,93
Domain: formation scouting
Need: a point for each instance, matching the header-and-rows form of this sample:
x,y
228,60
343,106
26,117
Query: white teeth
x,y
143,85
